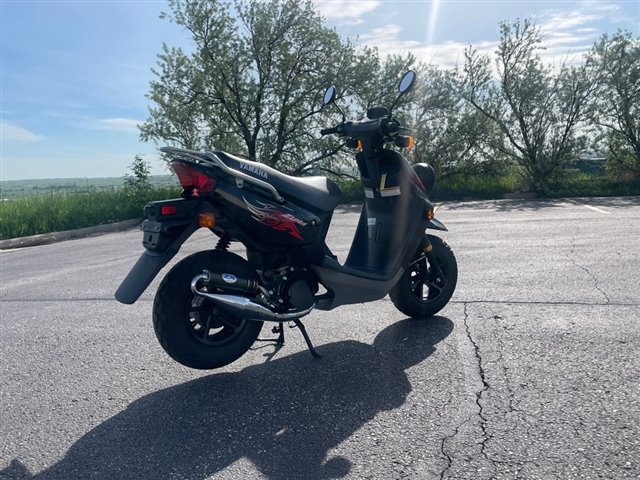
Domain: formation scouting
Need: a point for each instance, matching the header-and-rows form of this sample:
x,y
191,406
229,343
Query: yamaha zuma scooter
x,y
210,308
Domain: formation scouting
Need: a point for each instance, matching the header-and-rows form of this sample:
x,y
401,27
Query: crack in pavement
x,y
586,270
512,407
485,386
486,436
448,437
444,443
500,362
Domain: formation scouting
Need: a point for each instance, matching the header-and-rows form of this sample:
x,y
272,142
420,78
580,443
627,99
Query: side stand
x,y
306,338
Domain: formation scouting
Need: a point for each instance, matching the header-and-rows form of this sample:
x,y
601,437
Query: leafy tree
x,y
253,83
451,135
536,109
138,184
616,108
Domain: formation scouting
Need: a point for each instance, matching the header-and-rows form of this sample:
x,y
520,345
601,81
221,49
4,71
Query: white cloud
x,y
13,133
386,39
349,10
444,54
567,36
118,124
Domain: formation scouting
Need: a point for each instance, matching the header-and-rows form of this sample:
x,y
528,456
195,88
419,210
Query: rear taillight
x,y
193,180
168,210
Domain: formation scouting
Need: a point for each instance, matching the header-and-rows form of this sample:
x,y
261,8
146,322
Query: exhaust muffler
x,y
244,307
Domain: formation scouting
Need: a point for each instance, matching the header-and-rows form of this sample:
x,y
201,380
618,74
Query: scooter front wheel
x,y
422,292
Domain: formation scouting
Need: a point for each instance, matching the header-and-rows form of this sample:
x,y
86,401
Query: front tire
x,y
190,328
420,293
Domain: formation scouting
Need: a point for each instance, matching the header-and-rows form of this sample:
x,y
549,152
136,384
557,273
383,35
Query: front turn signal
x,y
429,213
207,220
411,141
405,142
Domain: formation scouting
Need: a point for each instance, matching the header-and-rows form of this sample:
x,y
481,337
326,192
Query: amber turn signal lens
x,y
207,220
359,145
411,141
430,213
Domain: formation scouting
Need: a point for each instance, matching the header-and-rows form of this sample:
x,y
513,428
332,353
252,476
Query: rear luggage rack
x,y
212,159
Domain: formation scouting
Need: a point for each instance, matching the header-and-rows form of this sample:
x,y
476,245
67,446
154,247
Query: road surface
x,y
531,372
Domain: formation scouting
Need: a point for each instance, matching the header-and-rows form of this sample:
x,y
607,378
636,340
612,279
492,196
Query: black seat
x,y
320,193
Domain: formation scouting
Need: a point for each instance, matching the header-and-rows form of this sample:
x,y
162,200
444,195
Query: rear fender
x,y
168,225
148,266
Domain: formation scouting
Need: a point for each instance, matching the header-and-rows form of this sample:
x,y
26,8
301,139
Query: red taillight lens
x,y
168,210
193,179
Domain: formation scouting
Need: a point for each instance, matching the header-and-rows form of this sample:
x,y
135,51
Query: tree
x,y
451,135
138,183
253,83
616,108
536,109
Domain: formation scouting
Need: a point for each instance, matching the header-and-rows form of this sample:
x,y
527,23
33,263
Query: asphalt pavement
x,y
531,372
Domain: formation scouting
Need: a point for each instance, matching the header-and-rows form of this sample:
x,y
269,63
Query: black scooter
x,y
210,308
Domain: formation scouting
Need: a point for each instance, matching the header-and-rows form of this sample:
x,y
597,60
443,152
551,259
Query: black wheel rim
x,y
426,286
210,325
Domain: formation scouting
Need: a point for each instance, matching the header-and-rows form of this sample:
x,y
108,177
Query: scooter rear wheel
x,y
420,293
190,328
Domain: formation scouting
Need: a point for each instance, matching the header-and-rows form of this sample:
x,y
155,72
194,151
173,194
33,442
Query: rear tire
x,y
190,328
418,293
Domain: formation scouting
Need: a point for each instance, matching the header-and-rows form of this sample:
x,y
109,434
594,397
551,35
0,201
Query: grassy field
x,y
463,187
53,212
30,207
12,189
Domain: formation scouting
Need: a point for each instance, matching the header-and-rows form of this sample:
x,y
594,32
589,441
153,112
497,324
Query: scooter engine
x,y
300,289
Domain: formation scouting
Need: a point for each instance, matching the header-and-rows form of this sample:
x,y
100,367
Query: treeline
x,y
254,80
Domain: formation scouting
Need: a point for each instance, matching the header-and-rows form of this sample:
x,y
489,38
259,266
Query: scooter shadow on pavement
x,y
284,415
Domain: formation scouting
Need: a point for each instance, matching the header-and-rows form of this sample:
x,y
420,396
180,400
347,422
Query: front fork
x,y
428,252
435,271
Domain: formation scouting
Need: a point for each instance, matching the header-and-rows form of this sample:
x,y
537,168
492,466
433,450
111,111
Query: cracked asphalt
x,y
531,372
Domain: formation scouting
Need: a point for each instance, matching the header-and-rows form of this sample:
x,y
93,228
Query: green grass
x,y
459,187
351,190
55,212
451,188
12,189
463,187
593,185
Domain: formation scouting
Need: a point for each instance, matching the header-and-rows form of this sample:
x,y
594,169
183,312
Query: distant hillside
x,y
22,188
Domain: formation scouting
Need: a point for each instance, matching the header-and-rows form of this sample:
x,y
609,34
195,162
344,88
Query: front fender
x,y
436,225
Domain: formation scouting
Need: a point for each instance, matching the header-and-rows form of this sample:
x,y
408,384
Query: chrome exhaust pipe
x,y
244,307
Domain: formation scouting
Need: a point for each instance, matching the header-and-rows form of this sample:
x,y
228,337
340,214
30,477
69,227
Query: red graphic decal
x,y
270,216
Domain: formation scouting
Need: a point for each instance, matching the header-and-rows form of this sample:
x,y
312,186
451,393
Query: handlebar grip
x,y
328,131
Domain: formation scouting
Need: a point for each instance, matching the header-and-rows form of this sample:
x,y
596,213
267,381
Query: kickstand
x,y
279,340
279,329
306,338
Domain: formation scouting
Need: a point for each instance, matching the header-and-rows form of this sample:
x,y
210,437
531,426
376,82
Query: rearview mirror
x,y
407,82
329,95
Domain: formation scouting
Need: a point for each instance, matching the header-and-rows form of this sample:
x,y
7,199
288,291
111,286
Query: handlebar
x,y
377,127
328,131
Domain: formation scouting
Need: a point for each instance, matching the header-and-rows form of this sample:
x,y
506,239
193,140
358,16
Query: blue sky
x,y
74,74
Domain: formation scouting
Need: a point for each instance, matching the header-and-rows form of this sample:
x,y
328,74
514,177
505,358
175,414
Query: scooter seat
x,y
316,192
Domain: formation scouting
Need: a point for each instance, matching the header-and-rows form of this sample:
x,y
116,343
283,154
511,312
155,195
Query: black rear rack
x,y
211,159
